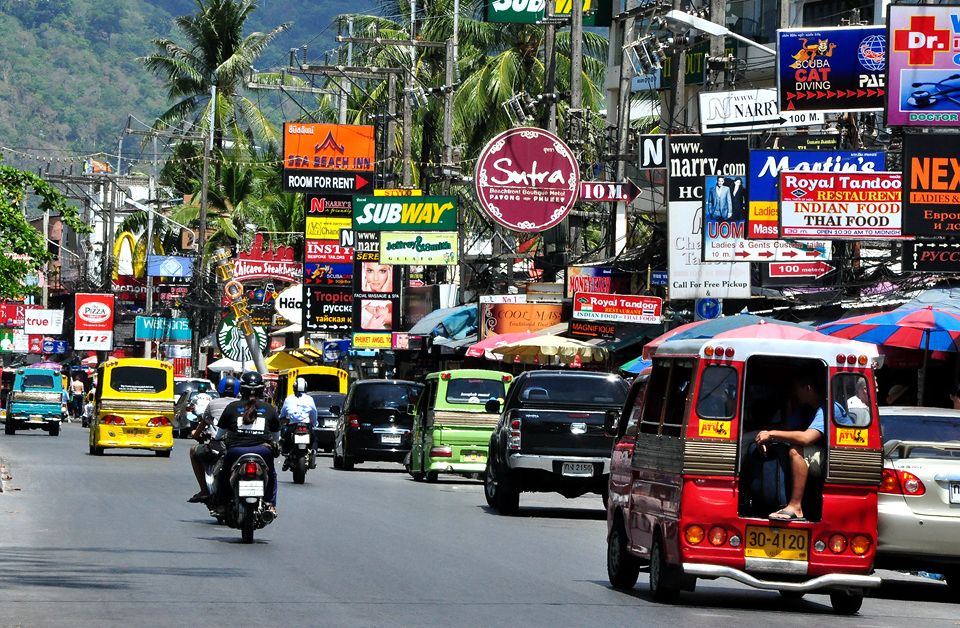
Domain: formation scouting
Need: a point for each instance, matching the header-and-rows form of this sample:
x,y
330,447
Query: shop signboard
x,y
591,329
931,256
617,308
327,309
414,213
589,279
595,12
368,340
924,64
412,248
162,328
328,147
508,318
931,176
233,344
172,266
289,303
831,69
749,110
376,294
527,179
93,322
851,206
40,321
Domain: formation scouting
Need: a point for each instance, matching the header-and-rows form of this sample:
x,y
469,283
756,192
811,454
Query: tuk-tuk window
x,y
678,390
851,400
317,382
37,381
717,398
138,379
473,390
656,392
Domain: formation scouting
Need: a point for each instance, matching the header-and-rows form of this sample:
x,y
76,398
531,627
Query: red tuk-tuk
x,y
692,495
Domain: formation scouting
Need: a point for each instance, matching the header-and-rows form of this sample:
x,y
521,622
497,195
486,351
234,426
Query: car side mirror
x,y
610,421
411,409
492,406
335,410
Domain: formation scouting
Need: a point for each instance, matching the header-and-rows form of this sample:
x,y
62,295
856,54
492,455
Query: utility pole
x,y
550,69
576,55
46,265
392,123
448,108
620,33
200,268
718,14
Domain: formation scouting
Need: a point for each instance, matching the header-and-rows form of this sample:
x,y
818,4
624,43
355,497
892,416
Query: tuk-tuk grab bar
x,y
828,581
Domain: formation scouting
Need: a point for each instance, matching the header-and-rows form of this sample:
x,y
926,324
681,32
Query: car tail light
x,y
441,452
841,359
514,442
507,378
302,428
728,352
113,419
445,376
158,421
353,421
579,415
889,482
250,469
694,534
717,536
898,482
860,544
837,543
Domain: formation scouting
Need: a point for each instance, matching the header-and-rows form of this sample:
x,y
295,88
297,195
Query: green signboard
x,y
595,12
405,213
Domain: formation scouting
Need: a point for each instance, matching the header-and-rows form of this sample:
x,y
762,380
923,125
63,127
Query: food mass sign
x,y
527,179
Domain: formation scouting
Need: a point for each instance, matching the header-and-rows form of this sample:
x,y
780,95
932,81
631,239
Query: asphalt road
x,y
112,541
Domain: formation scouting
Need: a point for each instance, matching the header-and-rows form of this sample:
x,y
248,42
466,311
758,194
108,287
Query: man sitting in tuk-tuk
x,y
803,431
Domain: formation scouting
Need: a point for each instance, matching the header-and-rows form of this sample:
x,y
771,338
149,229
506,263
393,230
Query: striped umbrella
x,y
926,329
709,328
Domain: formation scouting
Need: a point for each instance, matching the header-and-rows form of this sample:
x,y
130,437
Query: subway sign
x,y
415,213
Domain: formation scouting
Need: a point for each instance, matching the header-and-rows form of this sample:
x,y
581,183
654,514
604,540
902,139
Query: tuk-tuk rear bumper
x,y
828,581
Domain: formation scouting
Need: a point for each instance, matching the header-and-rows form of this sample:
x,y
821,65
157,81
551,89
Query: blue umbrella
x,y
636,365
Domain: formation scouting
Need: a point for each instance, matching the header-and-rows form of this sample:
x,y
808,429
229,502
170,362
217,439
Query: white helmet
x,y
300,386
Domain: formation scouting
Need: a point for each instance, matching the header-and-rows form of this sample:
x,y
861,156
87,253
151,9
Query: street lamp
x,y
679,21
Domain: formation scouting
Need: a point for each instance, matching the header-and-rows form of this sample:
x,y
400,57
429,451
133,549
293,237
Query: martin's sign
x,y
415,213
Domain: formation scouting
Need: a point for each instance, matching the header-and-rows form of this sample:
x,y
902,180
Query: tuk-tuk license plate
x,y
246,488
472,456
579,469
782,543
136,431
329,422
955,492
390,439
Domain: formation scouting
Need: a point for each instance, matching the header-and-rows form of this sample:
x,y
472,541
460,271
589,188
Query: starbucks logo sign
x,y
232,343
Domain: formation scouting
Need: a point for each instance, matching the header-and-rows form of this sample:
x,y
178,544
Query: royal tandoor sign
x,y
414,213
617,308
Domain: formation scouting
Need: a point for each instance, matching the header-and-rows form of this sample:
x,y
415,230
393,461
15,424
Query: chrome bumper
x,y
545,463
829,581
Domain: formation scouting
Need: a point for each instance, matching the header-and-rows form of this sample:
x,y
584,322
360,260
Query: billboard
x,y
589,279
590,329
850,206
763,217
924,64
414,213
328,147
162,328
617,308
93,326
931,256
169,266
38,321
376,294
595,12
831,69
417,249
508,318
931,176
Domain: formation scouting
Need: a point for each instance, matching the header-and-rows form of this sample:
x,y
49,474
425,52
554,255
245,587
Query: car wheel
x,y
9,428
499,494
54,430
663,576
432,477
605,496
792,595
846,603
337,461
162,453
952,578
623,568
347,463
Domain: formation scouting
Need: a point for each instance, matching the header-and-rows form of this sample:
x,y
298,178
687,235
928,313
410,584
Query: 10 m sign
x,y
607,191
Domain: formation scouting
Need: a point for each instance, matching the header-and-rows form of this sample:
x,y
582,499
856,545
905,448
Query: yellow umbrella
x,y
541,348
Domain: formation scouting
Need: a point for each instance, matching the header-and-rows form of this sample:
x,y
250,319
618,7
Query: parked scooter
x,y
298,452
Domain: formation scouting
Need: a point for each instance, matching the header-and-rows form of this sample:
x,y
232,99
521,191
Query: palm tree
x,y
216,53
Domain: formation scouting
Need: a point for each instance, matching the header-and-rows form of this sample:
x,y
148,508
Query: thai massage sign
x,y
617,308
414,213
527,179
839,206
419,249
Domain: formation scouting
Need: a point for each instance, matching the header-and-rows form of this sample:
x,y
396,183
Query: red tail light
x,y
302,428
441,452
113,419
353,421
514,441
250,469
158,421
901,483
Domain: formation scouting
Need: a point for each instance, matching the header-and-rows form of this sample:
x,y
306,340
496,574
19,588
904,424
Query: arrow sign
x,y
608,191
326,182
749,110
815,270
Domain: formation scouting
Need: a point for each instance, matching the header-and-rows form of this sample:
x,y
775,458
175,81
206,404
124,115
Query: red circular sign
x,y
527,179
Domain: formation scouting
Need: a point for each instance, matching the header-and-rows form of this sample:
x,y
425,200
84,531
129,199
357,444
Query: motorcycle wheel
x,y
299,470
247,524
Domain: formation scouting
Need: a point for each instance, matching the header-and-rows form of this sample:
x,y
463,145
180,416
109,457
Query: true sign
x,y
617,308
415,213
841,206
749,110
606,191
49,322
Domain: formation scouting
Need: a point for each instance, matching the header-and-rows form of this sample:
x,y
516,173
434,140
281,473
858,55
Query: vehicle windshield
x,y
474,390
197,385
374,396
321,382
138,379
325,401
924,428
581,390
38,381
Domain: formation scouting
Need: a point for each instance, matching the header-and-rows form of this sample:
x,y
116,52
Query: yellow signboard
x,y
714,429
397,192
326,228
372,341
851,437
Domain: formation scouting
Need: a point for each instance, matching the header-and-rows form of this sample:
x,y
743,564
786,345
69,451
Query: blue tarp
x,y
452,322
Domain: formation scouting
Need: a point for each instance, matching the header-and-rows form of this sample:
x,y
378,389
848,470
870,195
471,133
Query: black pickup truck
x,y
550,437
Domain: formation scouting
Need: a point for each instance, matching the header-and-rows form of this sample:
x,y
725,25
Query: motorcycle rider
x,y
249,426
206,451
299,408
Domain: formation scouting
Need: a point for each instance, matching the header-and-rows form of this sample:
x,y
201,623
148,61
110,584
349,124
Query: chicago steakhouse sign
x,y
527,179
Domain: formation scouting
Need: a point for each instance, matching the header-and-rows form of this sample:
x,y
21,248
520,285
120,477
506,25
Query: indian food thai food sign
x,y
527,179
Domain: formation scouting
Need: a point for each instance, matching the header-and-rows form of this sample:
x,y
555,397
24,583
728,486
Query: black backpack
x,y
769,477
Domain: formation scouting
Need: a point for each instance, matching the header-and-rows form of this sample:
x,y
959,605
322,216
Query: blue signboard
x,y
658,278
707,308
832,69
160,328
54,346
169,266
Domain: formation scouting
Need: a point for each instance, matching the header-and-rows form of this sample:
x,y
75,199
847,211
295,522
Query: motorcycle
x,y
249,479
299,454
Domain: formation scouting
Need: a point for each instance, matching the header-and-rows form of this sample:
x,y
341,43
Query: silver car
x,y
919,501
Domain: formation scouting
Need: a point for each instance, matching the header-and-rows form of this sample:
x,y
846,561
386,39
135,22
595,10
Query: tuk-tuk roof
x,y
813,345
463,373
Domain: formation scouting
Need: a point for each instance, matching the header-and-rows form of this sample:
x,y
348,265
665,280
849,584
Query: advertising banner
x,y
589,279
13,314
692,159
329,205
617,308
328,147
327,274
327,309
924,75
38,321
93,326
376,294
289,303
328,251
419,248
162,328
527,179
233,344
855,205
749,110
326,228
763,221
367,340
931,176
931,256
414,213
503,298
595,12
508,318
589,329
169,266
321,182
831,69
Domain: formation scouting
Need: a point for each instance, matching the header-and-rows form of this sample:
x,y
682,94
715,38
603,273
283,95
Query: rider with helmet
x,y
250,426
299,408
207,450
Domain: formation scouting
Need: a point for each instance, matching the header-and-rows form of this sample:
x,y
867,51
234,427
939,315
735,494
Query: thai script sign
x,y
415,213
617,308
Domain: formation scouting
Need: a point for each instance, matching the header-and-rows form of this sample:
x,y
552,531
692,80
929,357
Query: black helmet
x,y
228,386
251,384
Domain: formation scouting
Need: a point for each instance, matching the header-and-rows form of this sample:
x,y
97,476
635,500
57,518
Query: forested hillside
x,y
68,71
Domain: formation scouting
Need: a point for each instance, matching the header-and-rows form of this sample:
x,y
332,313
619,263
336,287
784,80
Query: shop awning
x,y
628,335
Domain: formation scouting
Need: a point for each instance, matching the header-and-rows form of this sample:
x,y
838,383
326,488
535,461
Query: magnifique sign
x,y
527,179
